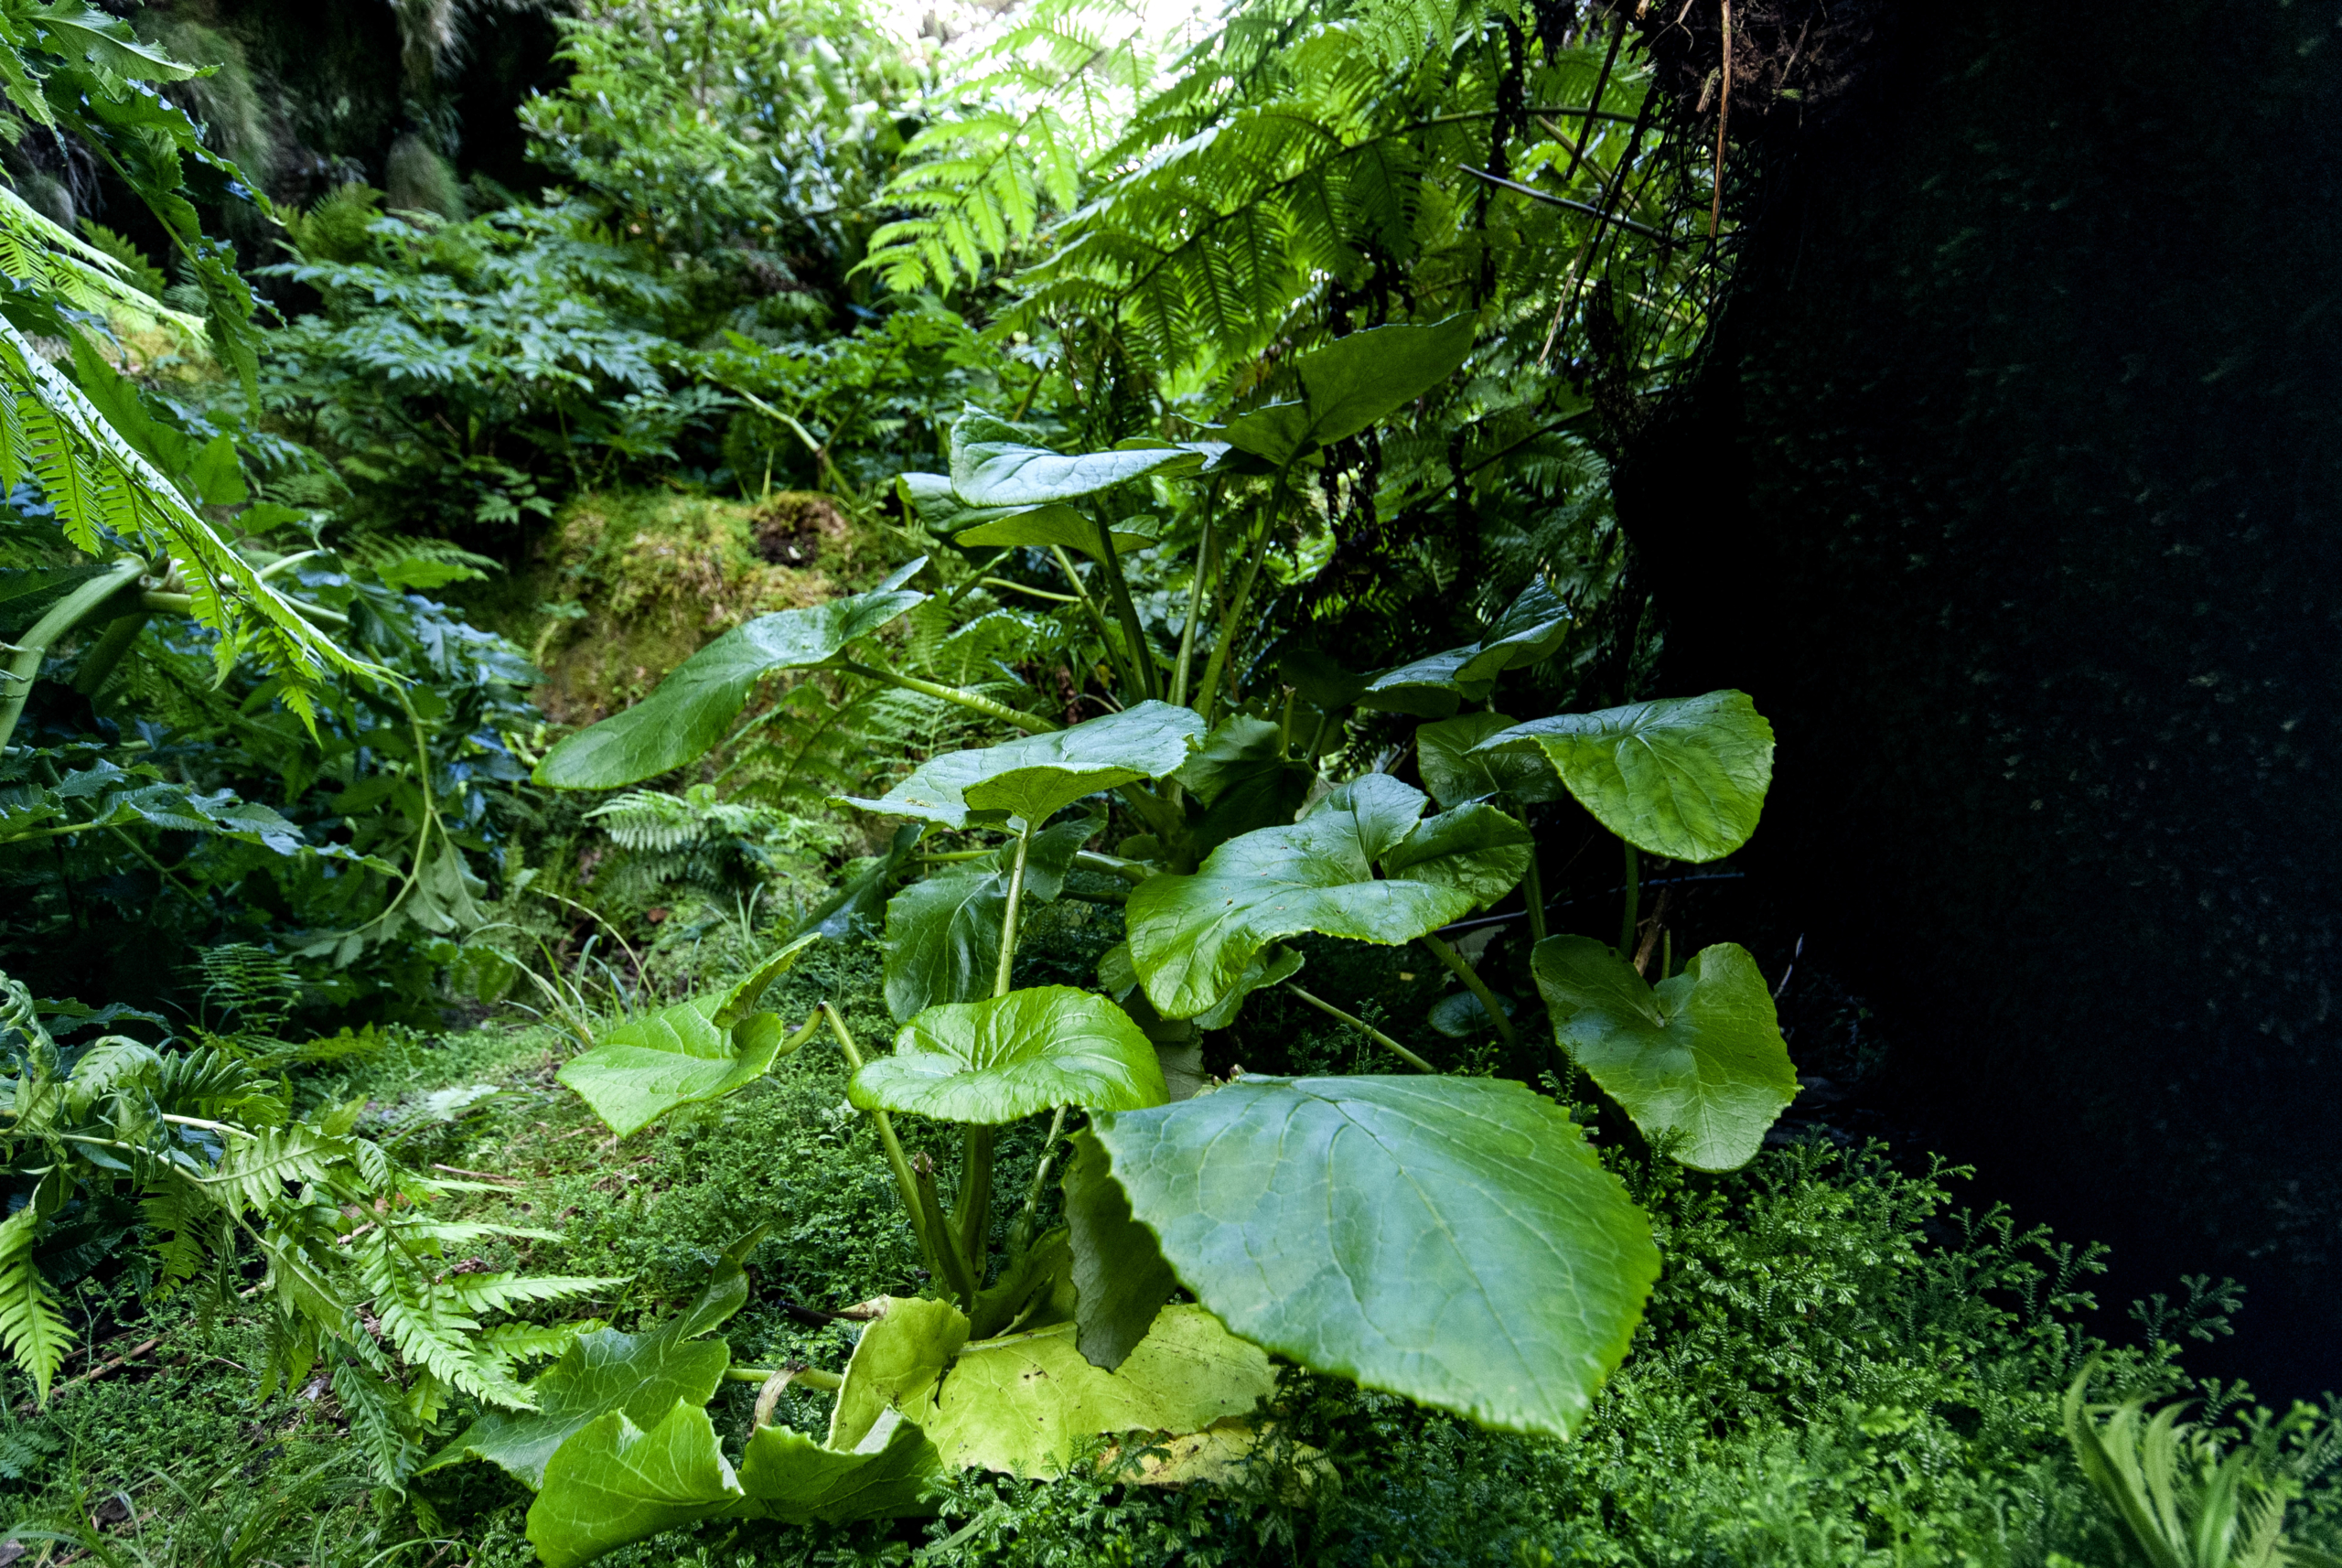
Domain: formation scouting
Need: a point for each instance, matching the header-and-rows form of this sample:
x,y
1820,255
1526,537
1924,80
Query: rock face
x,y
2014,496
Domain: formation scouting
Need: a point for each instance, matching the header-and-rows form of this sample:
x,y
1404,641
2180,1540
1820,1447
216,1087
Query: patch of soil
x,y
792,527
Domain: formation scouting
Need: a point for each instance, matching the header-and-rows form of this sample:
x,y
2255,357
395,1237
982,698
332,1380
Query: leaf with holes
x,y
1194,939
995,1061
1698,1060
697,702
1450,1240
1684,777
1031,777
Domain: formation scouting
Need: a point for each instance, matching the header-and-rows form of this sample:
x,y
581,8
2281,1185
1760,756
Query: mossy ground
x,y
1838,1367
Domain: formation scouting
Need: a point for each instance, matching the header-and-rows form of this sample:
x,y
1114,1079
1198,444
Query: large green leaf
x,y
1352,383
1698,1062
1451,1239
1024,1402
1035,774
1532,630
943,934
1684,777
1054,524
788,1477
897,1364
1120,1279
1194,939
997,1060
1455,774
608,1372
994,464
1245,781
1431,687
646,1067
695,704
615,1482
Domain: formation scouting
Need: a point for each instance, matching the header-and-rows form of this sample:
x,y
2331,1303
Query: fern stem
x,y
1472,983
1031,724
1363,1028
62,617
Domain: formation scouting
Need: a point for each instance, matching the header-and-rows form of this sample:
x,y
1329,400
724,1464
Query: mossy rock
x,y
645,578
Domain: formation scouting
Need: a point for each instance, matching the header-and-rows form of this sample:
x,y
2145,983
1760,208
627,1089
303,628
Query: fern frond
x,y
32,1330
379,1421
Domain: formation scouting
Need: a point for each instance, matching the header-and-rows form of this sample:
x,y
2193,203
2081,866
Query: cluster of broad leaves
x,y
1449,1238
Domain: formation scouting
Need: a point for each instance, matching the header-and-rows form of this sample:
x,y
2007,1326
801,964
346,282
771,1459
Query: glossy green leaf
x,y
1193,939
1245,781
897,1364
741,1001
1024,1402
1431,687
646,1067
994,465
787,1477
1120,1279
1450,1240
1035,774
1455,773
943,934
695,706
1055,524
608,1372
1350,384
997,1060
1532,630
930,498
1684,777
615,1482
1698,1061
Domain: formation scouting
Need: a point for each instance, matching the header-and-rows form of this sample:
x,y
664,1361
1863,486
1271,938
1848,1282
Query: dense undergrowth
x,y
1840,1365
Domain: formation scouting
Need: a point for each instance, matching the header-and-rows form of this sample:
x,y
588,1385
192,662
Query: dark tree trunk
x,y
2015,497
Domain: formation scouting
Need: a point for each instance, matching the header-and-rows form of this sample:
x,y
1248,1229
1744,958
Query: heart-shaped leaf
x,y
1450,1240
695,704
1035,774
1024,1402
994,464
1453,774
608,1372
1698,1061
943,934
1194,939
1055,524
1684,777
997,1060
1350,384
1532,630
646,1067
1120,1279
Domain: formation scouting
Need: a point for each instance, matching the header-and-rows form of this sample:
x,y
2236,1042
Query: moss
x,y
632,583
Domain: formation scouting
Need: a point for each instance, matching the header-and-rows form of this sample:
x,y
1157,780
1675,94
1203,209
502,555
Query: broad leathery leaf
x,y
1450,1240
1024,1402
646,1067
741,1001
1245,781
1054,524
943,934
1474,848
1453,774
929,498
1035,774
1194,939
1683,777
1532,630
788,1477
695,704
998,1060
1431,687
1352,383
615,1482
994,465
1273,966
609,1372
1698,1061
897,1364
1120,1279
